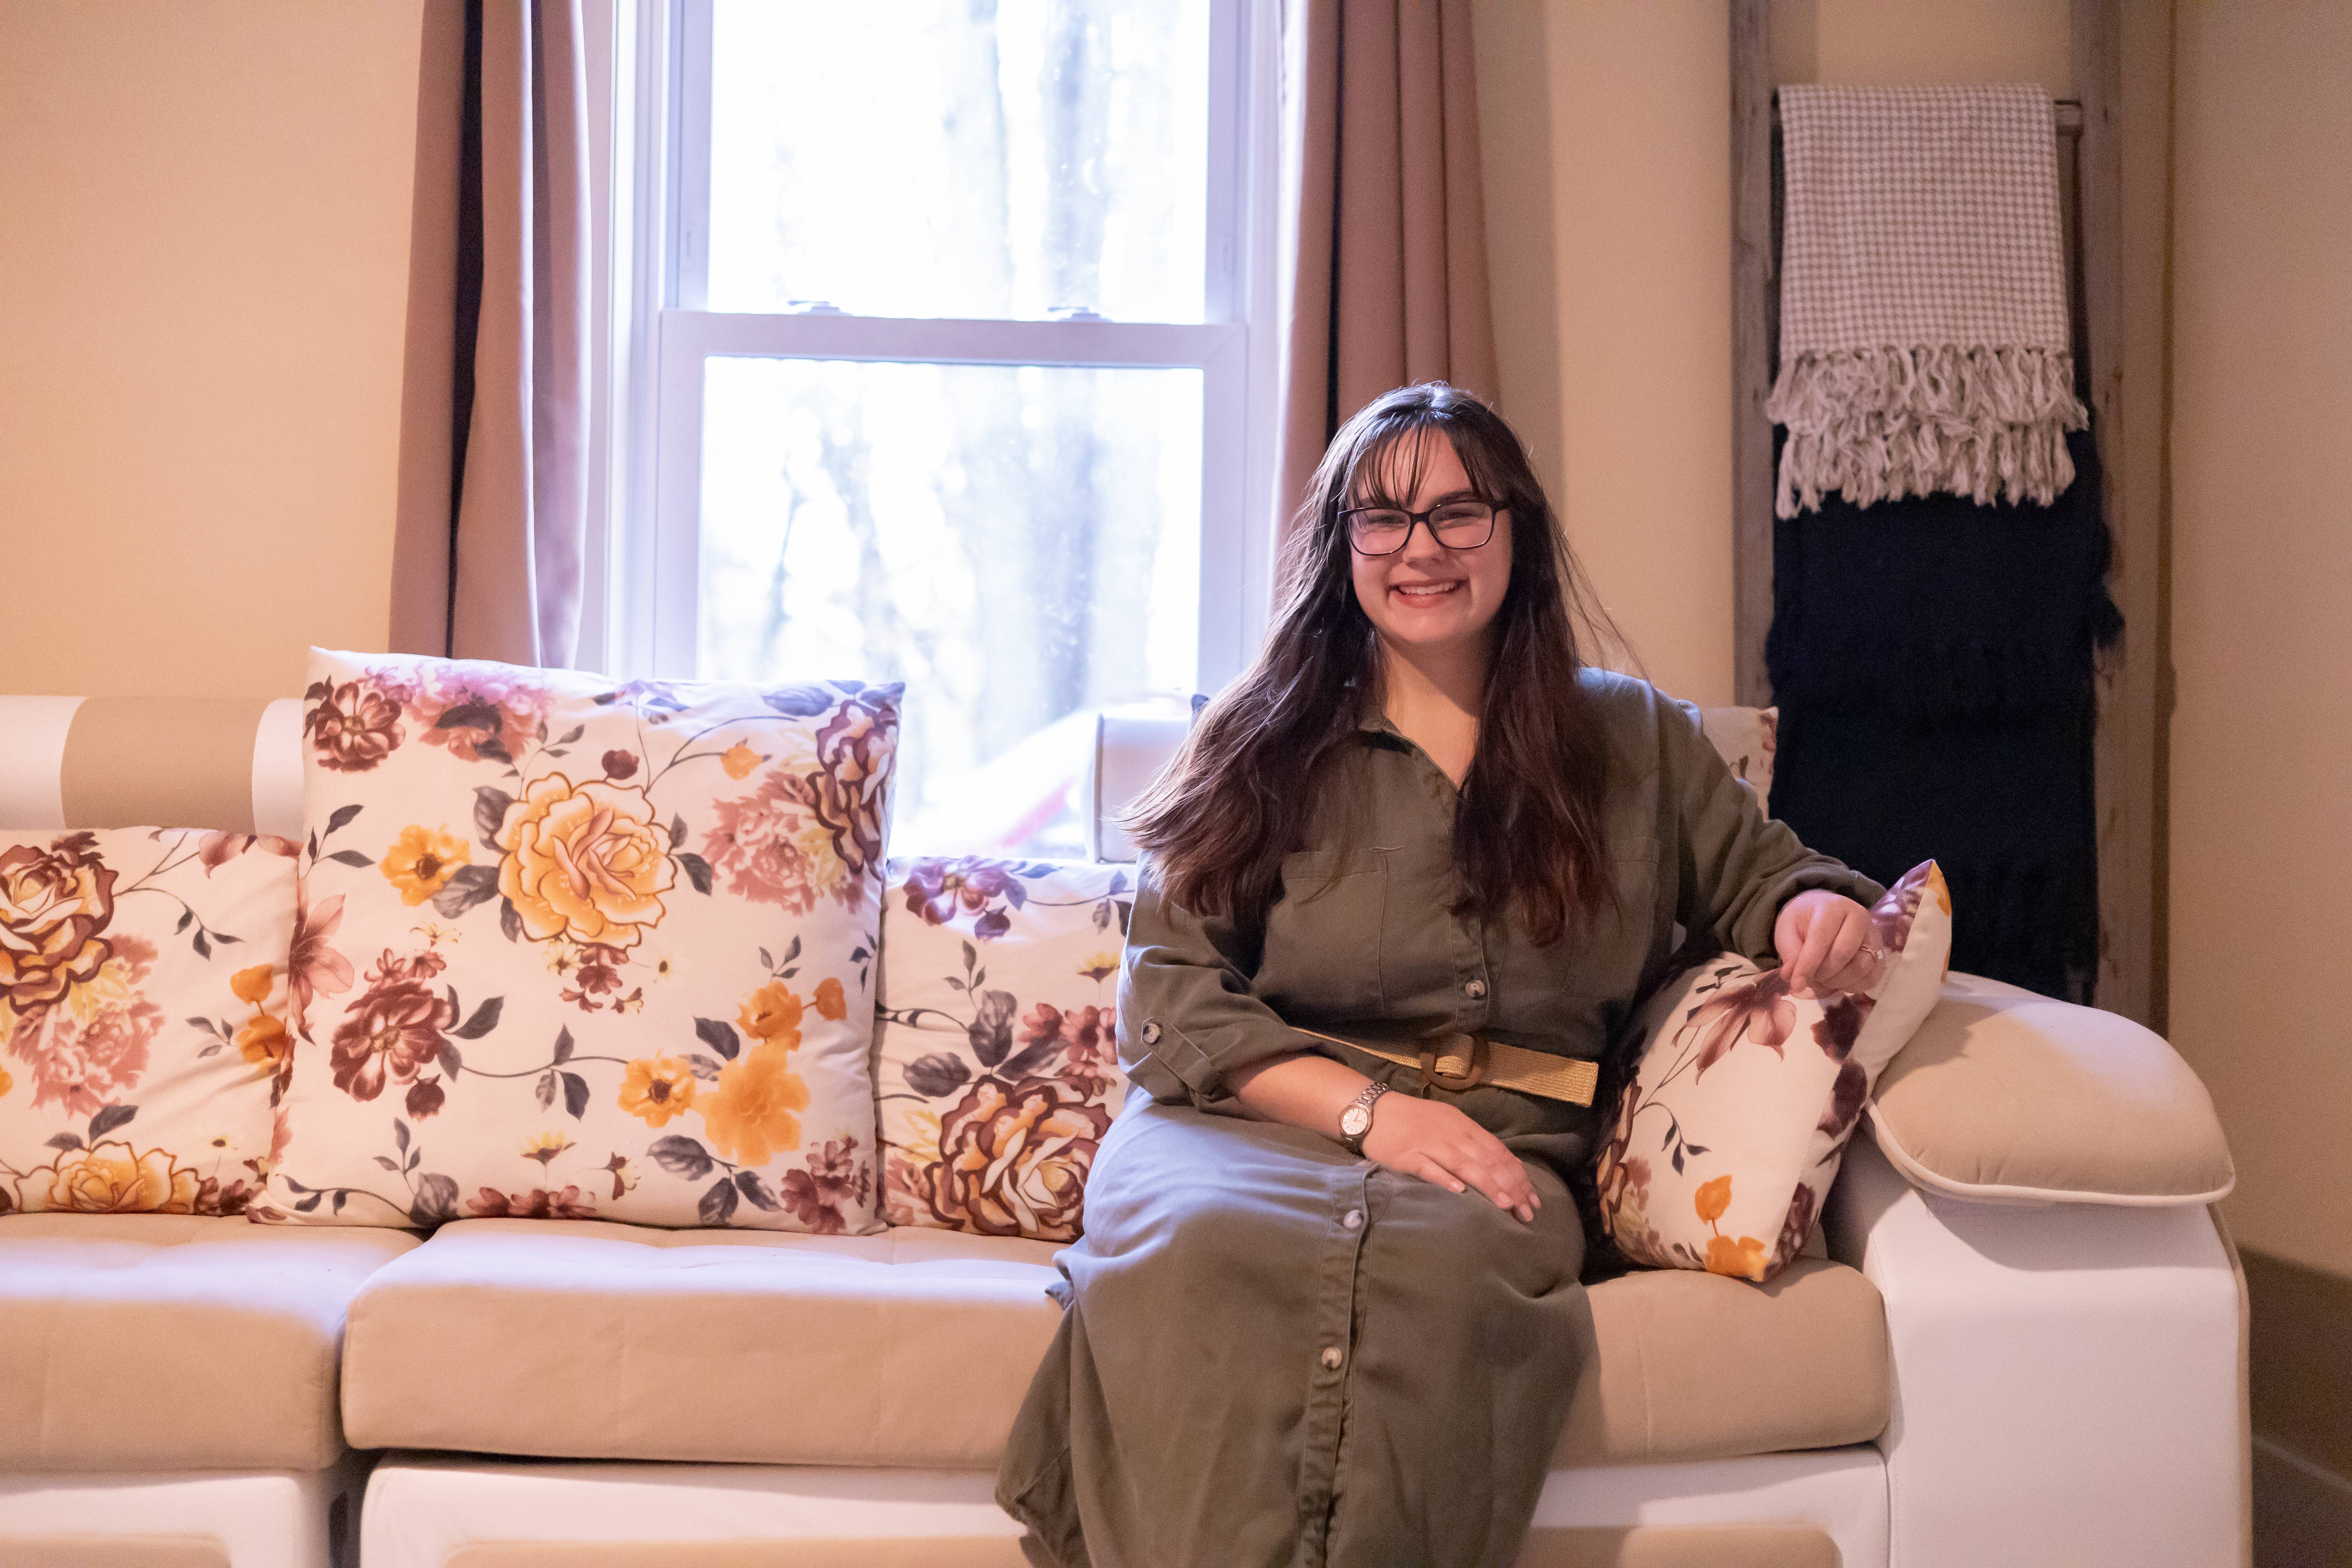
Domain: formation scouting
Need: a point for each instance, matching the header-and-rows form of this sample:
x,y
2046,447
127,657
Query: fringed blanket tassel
x,y
1886,424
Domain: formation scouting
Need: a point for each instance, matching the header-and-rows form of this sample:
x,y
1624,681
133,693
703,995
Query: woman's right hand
x,y
1432,1139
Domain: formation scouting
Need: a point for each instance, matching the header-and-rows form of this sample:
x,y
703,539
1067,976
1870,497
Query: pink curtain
x,y
493,508
1384,238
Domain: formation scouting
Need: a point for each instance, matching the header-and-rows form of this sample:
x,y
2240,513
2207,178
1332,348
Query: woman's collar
x,y
1371,718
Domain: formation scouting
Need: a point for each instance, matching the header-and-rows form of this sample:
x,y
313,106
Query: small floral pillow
x,y
142,1018
1737,1119
577,949
996,1049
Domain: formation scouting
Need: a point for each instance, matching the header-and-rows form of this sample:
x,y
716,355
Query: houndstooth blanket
x,y
1923,297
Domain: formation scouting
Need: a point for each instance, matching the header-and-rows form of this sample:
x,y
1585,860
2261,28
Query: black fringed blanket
x,y
1933,663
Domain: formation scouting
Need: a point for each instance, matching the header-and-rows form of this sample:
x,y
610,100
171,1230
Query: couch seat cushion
x,y
590,1339
914,1347
145,1341
1698,1366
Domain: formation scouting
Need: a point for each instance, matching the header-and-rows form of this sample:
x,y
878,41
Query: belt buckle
x,y
1454,1062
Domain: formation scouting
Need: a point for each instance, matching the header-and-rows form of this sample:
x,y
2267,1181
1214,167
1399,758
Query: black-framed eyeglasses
x,y
1455,524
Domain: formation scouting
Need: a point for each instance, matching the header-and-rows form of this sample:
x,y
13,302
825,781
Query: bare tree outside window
x,y
1020,543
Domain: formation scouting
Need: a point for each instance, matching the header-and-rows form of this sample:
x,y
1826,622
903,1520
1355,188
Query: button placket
x,y
1470,968
1334,1323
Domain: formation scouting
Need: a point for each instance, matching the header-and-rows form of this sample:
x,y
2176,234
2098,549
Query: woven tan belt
x,y
1460,1062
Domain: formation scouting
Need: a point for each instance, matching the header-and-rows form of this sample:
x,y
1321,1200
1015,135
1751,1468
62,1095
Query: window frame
x,y
657,339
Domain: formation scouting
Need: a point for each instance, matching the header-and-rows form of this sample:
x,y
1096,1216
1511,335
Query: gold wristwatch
x,y
1356,1121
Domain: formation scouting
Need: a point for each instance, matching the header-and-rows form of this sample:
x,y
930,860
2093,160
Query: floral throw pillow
x,y
142,1018
572,948
996,1050
1743,1096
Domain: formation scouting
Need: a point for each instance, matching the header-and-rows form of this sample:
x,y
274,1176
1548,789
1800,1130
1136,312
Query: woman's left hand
x,y
1827,944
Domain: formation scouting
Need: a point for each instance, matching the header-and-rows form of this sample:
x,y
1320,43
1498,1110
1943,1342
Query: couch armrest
x,y
2066,1378
2003,1095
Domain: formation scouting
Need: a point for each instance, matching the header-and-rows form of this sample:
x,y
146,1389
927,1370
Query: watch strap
x,y
1355,1141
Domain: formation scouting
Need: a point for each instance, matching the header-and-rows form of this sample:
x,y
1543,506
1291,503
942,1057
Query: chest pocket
x,y
1324,937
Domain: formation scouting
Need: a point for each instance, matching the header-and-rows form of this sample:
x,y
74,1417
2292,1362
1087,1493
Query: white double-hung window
x,y
953,378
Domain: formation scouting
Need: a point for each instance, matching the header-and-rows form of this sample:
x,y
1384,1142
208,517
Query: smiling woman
x,y
1414,629
1461,565
1433,599
1407,878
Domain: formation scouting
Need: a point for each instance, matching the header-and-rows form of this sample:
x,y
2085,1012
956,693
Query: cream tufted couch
x,y
2024,1344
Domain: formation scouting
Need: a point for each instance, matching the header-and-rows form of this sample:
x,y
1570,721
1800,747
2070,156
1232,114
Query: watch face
x,y
1355,1119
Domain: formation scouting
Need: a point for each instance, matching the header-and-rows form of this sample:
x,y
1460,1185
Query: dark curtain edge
x,y
468,316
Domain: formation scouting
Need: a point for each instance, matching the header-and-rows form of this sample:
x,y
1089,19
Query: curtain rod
x,y
2066,112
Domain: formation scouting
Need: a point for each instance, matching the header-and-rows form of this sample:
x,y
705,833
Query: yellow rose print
x,y
6,1083
739,760
422,863
772,1013
1741,1258
749,1115
830,1002
584,862
920,1140
263,1041
110,1179
655,1088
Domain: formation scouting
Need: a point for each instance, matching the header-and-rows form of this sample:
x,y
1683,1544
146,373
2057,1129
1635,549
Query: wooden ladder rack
x,y
2134,684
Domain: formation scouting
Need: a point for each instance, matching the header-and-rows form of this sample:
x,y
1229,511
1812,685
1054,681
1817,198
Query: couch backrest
x,y
1128,754
233,764
237,764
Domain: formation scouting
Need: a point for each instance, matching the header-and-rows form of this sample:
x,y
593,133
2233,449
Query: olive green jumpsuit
x,y
1275,1352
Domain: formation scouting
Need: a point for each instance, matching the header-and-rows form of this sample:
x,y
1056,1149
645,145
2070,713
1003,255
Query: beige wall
x,y
203,269
1605,127
203,280
1884,41
1607,133
2261,574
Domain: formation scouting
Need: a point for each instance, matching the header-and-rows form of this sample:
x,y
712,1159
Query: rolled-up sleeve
x,y
1737,867
1187,1018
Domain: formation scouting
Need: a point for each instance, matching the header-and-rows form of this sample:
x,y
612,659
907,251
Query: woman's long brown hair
x,y
1243,792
